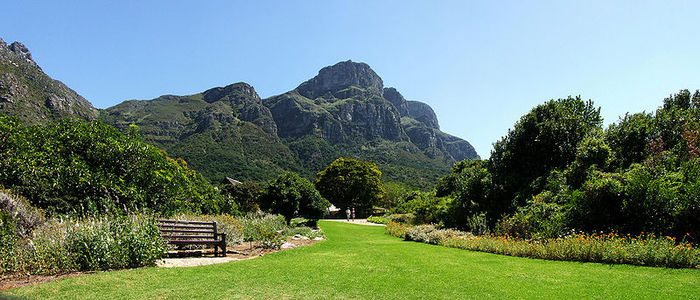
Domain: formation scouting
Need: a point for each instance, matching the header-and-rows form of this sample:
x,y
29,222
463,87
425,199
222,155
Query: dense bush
x,y
424,206
114,242
397,229
258,226
75,166
23,216
409,219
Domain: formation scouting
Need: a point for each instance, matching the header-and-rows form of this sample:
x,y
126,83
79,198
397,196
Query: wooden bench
x,y
182,233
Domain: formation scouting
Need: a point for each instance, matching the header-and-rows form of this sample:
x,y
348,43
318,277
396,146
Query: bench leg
x,y
223,247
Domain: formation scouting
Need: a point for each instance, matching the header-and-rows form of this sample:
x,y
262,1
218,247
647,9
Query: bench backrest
x,y
180,230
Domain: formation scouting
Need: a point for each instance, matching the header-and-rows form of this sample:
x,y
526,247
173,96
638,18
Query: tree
x,y
348,182
292,196
542,140
244,196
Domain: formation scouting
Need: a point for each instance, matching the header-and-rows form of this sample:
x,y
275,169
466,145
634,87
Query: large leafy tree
x,y
348,182
293,196
542,140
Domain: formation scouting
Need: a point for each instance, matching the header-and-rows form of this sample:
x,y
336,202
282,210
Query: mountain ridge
x,y
350,113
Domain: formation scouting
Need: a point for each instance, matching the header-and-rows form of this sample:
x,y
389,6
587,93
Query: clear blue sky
x,y
480,65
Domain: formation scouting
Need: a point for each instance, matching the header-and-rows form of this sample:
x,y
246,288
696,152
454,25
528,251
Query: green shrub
x,y
402,218
61,246
75,166
24,216
257,225
378,220
645,250
115,243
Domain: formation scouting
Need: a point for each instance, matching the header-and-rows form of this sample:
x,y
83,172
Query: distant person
x,y
347,213
353,214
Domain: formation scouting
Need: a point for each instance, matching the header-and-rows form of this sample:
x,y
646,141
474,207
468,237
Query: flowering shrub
x,y
396,229
644,250
256,226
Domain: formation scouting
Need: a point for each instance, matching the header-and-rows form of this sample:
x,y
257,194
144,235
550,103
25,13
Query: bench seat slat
x,y
186,236
194,242
187,230
187,226
185,222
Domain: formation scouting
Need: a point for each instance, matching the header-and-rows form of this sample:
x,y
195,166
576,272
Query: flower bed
x,y
644,250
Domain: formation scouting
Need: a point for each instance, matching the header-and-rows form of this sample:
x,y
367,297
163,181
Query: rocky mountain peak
x,y
21,50
423,113
236,91
28,93
397,100
341,76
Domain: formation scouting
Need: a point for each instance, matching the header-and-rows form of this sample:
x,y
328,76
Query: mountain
x,y
343,111
28,93
224,131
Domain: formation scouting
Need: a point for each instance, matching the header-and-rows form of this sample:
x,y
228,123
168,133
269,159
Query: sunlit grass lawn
x,y
362,262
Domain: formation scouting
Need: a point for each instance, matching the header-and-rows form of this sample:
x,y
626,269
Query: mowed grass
x,y
362,262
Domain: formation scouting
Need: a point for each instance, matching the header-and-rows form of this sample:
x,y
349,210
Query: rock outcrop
x,y
423,113
28,93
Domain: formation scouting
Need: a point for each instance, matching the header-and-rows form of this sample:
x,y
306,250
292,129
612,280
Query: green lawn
x,y
362,262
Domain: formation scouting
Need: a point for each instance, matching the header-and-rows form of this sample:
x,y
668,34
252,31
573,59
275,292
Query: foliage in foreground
x,y
80,167
61,246
643,250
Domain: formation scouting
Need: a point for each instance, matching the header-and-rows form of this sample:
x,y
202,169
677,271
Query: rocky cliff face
x,y
423,113
347,101
28,93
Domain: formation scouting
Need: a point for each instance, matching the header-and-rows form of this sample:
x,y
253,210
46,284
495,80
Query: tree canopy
x,y
293,196
348,182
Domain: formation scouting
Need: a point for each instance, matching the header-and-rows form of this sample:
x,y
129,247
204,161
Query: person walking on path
x,y
353,214
347,213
